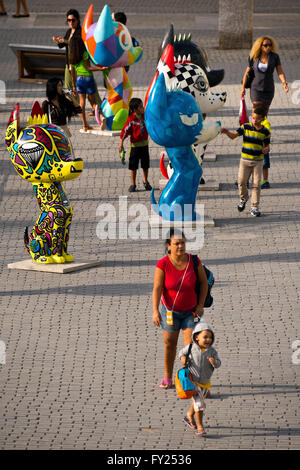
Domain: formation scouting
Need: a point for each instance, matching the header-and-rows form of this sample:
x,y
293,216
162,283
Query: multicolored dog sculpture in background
x,y
109,44
42,154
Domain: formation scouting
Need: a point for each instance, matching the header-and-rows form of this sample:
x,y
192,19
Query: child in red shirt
x,y
139,150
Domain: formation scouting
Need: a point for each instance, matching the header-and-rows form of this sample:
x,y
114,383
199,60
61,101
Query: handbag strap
x,y
195,264
49,113
188,263
187,360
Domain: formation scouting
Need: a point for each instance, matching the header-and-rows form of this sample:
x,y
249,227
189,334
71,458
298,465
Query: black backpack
x,y
210,279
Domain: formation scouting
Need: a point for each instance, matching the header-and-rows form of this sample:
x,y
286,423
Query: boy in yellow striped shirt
x,y
256,143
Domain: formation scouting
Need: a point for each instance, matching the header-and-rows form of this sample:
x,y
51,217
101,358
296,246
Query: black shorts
x,y
137,154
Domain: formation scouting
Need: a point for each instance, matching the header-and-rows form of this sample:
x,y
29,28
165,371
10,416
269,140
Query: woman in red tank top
x,y
174,287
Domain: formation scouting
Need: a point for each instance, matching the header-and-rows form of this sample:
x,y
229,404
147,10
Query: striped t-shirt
x,y
253,141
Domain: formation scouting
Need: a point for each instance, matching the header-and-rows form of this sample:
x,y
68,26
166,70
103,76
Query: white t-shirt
x,y
262,67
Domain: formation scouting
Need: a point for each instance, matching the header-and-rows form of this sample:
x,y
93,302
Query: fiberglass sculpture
x,y
174,120
195,77
109,44
42,154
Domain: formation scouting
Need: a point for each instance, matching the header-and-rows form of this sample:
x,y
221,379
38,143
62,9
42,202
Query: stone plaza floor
x,y
82,358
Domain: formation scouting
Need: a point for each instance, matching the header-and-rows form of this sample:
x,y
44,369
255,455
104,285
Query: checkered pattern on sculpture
x,y
193,80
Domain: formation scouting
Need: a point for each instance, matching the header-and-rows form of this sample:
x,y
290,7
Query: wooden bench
x,y
38,63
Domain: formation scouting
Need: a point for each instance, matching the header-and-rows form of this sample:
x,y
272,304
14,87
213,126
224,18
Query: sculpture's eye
x,y
189,120
125,39
31,152
201,84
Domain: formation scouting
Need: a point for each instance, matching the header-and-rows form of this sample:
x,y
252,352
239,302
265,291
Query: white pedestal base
x,y
99,132
157,222
58,268
210,157
210,185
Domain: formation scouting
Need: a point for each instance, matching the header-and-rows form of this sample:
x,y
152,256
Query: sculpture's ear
x,y
167,56
215,77
87,22
166,62
37,116
169,38
157,102
104,28
13,126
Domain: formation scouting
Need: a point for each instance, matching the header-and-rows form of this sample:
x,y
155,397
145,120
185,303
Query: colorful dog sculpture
x,y
195,77
174,120
184,47
109,44
42,154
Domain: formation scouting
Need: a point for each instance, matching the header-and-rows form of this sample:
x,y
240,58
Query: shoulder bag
x,y
250,75
210,279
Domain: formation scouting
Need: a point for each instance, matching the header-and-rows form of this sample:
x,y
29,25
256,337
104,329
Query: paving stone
x,y
83,360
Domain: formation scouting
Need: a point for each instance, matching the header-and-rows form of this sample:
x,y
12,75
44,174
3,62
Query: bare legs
x,y
192,414
170,341
23,4
82,97
2,8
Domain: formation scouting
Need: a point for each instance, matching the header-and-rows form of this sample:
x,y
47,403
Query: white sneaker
x,y
241,205
255,212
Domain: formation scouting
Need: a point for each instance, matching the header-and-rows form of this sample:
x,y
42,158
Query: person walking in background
x,y
139,150
204,360
18,12
262,62
256,142
174,286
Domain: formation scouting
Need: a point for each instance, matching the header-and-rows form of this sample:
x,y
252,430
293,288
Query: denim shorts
x,y
266,161
85,85
181,320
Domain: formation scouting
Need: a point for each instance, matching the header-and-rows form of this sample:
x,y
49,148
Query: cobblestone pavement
x,y
83,359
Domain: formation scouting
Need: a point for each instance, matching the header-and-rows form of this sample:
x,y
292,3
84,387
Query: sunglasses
x,y
71,20
267,45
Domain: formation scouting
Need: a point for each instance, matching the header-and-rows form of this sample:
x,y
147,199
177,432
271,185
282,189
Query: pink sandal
x,y
189,423
166,383
201,432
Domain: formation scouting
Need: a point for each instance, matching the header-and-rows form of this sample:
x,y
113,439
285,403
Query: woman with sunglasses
x,y
263,60
73,21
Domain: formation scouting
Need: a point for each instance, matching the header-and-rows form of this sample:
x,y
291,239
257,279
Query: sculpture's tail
x,y
154,203
26,239
163,167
